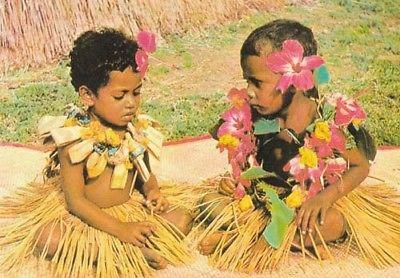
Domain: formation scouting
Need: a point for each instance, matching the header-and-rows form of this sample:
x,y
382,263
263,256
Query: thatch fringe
x,y
36,32
372,214
83,250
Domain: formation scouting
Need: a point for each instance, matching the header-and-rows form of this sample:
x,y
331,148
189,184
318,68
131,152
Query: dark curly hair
x,y
96,53
274,34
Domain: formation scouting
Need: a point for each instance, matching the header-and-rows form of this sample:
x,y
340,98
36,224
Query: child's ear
x,y
87,96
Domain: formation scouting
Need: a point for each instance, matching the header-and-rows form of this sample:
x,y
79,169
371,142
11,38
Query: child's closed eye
x,y
119,97
254,81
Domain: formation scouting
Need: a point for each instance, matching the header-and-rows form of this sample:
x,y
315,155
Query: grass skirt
x,y
373,227
83,250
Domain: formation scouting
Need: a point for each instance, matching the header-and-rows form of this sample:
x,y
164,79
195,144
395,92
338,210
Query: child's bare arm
x,y
73,187
151,190
318,205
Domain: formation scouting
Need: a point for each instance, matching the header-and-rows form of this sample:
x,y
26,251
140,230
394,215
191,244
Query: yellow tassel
x,y
96,164
80,151
119,176
65,135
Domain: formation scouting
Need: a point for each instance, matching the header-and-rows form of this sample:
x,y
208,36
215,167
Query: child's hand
x,y
226,186
155,199
310,210
136,232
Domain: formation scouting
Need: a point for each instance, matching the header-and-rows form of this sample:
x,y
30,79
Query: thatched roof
x,y
36,32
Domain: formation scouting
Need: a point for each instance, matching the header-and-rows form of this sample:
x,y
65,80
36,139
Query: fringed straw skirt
x,y
82,250
373,227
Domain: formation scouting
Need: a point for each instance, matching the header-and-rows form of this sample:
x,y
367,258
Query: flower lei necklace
x,y
318,163
102,146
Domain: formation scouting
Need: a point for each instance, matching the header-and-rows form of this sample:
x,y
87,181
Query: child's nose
x,y
251,92
130,101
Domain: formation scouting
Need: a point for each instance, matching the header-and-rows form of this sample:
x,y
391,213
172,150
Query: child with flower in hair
x,y
100,208
298,158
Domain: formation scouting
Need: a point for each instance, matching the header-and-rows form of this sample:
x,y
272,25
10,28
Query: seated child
x,y
87,216
313,154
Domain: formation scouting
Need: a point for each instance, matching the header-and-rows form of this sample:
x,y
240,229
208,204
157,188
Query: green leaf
x,y
254,173
321,75
311,127
264,126
327,111
281,216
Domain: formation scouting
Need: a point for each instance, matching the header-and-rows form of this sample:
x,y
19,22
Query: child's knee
x,y
48,238
214,203
181,218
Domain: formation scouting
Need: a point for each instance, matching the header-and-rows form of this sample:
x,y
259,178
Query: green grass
x,y
192,115
359,40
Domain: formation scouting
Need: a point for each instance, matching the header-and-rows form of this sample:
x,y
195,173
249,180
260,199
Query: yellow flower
x,y
87,133
94,130
322,131
112,138
308,157
142,124
356,122
295,199
228,140
246,203
70,122
238,102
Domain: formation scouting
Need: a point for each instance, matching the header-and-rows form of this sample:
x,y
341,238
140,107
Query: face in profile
x,y
261,86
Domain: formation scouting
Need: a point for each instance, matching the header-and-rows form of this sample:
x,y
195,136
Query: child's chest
x,y
99,191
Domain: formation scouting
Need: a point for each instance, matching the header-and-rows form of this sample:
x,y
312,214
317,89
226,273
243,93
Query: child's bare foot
x,y
209,243
323,253
153,259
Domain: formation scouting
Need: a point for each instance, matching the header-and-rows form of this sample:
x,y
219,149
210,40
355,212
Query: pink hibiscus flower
x,y
237,121
324,148
239,192
296,70
238,97
146,41
302,173
141,60
347,110
334,169
315,187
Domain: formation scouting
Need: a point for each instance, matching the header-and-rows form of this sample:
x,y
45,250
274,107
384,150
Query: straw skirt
x,y
83,250
373,231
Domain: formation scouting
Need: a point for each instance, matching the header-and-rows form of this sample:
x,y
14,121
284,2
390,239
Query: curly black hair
x,y
96,53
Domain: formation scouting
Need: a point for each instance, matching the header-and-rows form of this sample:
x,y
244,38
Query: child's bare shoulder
x,y
301,113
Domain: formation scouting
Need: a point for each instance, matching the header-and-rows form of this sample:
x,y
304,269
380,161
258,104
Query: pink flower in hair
x,y
146,41
147,44
142,61
295,69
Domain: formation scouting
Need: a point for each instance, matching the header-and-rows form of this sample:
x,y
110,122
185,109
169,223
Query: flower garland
x,y
102,146
318,163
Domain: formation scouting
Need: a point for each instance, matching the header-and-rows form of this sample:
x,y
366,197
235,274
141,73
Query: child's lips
x,y
128,116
